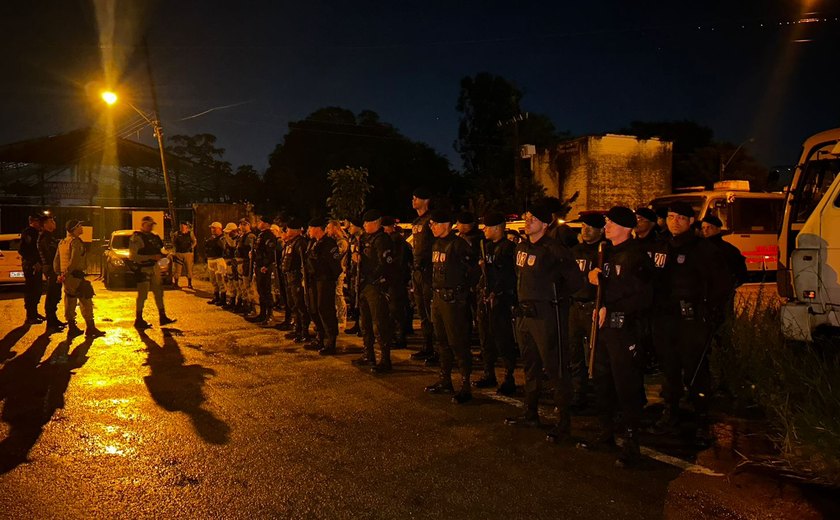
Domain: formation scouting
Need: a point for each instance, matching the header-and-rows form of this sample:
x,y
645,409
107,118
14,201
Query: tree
x,y
202,171
491,127
331,138
247,185
349,190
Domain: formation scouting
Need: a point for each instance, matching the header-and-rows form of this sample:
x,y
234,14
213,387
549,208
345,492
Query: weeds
x,y
797,385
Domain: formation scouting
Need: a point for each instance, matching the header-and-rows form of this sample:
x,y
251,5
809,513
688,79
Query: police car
x,y
11,271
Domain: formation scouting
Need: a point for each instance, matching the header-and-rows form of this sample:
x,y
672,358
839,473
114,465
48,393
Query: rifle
x,y
483,266
357,280
556,304
599,296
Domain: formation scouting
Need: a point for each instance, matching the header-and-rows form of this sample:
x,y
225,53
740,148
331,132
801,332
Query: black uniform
x,y
279,247
47,247
453,266
398,287
618,367
422,280
580,319
323,265
735,261
474,237
377,272
547,276
497,297
690,288
263,259
32,271
293,274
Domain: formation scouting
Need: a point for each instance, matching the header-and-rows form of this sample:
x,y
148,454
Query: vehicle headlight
x,y
117,262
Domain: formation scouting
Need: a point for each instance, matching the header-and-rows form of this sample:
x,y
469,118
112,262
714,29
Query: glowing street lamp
x,y
110,98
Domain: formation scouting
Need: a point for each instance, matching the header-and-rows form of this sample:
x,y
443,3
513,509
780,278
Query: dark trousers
x,y
540,346
580,327
263,283
398,307
322,310
451,329
375,321
618,376
32,287
52,298
295,297
495,334
422,281
680,345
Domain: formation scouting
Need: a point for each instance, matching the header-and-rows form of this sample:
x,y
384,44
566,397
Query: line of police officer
x,y
661,292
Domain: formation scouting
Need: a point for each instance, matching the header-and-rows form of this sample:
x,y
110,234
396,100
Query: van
x,y
11,271
751,220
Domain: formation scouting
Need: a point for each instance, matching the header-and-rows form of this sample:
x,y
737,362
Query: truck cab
x,y
750,220
809,241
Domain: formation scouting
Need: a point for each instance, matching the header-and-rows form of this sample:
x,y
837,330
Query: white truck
x,y
809,242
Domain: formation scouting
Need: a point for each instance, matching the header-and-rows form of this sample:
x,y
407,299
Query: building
x,y
605,171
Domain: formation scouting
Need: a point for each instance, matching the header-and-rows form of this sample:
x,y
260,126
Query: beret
x,y
681,208
466,218
440,216
422,193
713,220
596,220
494,219
624,217
542,212
372,215
388,221
647,214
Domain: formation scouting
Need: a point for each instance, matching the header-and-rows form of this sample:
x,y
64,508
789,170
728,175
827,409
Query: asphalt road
x,y
216,418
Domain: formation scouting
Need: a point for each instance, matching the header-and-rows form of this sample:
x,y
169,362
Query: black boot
x,y
365,360
433,360
141,324
630,455
529,419
508,386
487,381
166,320
222,299
561,432
384,365
73,331
464,395
443,385
214,299
353,330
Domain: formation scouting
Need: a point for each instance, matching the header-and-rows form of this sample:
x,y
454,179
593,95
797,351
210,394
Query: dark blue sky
x,y
591,68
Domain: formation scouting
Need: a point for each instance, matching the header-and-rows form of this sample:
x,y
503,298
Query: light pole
x,y
111,98
724,165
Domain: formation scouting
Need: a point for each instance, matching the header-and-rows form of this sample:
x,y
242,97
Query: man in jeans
x,y
184,242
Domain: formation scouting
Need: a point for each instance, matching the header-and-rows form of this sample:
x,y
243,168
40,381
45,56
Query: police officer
x,y
184,241
32,269
496,298
145,249
323,266
335,231
354,235
453,265
279,283
69,265
293,256
647,234
244,246
422,240
468,230
583,302
398,286
693,287
47,247
711,228
547,276
263,264
618,363
230,294
376,273
214,248
646,229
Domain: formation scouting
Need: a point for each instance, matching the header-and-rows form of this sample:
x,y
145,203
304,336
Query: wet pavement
x,y
213,417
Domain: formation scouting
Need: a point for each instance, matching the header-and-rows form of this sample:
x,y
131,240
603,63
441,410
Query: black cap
x,y
73,224
422,193
318,222
624,217
713,220
662,212
148,218
440,216
355,220
371,215
466,218
266,219
595,220
647,214
388,221
542,211
494,219
186,223
295,223
45,216
681,208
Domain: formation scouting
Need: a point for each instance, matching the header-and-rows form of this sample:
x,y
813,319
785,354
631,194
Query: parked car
x,y
11,271
115,269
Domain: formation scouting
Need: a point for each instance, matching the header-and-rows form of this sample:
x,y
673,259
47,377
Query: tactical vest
x,y
449,270
152,244
183,242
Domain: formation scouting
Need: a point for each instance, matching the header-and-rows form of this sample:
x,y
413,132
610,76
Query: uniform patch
x,y
443,257
520,258
532,259
435,256
618,270
659,259
680,259
581,262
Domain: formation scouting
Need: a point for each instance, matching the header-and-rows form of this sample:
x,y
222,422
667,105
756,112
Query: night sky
x,y
592,67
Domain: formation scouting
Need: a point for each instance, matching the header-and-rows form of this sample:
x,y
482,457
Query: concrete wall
x,y
607,170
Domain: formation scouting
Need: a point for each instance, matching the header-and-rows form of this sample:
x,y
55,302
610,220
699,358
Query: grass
x,y
797,385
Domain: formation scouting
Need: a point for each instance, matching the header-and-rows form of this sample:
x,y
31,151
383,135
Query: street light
x,y
724,165
110,98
